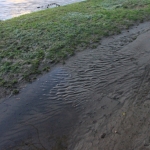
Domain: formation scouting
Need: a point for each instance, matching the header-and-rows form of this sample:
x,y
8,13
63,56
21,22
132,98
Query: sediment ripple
x,y
59,103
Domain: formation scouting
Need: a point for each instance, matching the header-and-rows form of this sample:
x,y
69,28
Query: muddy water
x,y
67,103
14,8
41,114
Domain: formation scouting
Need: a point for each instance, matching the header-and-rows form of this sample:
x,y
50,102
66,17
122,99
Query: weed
x,y
15,91
14,81
46,68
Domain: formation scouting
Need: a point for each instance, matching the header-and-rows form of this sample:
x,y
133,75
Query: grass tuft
x,y
30,43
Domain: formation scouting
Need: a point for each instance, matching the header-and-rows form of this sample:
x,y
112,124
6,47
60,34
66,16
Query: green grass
x,y
31,43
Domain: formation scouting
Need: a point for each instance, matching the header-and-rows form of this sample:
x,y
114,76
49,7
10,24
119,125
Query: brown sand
x,y
117,116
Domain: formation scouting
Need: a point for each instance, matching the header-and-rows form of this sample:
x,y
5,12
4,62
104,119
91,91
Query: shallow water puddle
x,y
39,114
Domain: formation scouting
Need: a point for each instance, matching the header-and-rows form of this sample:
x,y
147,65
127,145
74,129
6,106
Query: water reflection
x,y
17,1
14,8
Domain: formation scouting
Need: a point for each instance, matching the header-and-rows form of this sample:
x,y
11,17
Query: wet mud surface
x,y
117,115
98,100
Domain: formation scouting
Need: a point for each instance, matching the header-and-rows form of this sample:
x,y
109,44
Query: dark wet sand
x,y
117,115
98,100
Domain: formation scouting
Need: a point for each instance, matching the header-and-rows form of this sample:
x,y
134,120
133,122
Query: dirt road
x,y
98,100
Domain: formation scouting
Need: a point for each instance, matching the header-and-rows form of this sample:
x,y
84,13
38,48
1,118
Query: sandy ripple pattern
x,y
117,112
77,101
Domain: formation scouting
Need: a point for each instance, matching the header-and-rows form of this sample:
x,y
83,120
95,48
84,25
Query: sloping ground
x,y
98,100
117,116
31,44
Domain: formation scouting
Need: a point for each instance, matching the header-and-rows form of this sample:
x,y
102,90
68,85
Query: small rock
x,y
103,135
146,144
94,121
123,113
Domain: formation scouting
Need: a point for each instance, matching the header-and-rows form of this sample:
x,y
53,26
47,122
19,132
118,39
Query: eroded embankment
x,y
97,100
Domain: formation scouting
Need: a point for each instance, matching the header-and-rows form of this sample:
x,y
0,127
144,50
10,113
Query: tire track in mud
x,y
72,101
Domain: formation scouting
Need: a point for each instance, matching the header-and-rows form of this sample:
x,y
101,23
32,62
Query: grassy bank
x,y
31,43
